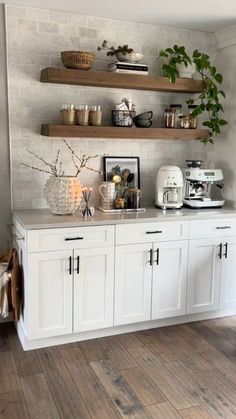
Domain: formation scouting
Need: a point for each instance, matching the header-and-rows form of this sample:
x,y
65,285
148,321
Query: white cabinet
x,y
204,274
150,281
211,274
169,279
133,282
93,288
69,280
49,294
228,274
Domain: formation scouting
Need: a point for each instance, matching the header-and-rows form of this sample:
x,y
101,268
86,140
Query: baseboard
x,y
111,331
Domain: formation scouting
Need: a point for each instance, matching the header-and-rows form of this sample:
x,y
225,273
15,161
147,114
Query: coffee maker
x,y
169,187
202,187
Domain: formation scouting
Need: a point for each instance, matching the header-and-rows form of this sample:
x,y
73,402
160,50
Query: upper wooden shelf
x,y
119,81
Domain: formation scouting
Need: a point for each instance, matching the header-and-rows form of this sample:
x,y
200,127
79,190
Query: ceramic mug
x,y
107,191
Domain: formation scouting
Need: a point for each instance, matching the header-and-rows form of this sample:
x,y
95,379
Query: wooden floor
x,y
186,371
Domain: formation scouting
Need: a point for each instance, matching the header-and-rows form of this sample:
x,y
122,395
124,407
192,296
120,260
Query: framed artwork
x,y
122,170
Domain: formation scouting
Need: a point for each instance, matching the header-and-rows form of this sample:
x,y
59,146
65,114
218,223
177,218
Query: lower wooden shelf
x,y
76,131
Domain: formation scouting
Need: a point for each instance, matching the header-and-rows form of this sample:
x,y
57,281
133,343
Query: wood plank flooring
x,y
185,371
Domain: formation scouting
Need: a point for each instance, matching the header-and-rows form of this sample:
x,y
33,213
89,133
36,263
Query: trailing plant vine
x,y
209,100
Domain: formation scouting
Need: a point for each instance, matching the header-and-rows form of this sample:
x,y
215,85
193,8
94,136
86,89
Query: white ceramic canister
x,y
107,191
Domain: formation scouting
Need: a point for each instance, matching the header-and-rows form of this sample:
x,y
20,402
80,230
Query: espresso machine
x,y
202,187
169,188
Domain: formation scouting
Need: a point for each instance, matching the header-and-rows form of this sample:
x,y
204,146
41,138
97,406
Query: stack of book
x,y
128,68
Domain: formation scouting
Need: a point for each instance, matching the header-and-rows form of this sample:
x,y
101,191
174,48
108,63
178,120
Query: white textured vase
x,y
63,194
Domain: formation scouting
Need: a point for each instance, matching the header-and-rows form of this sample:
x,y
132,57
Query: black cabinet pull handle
x,y
151,257
70,265
153,232
158,256
226,250
222,227
77,267
73,238
221,247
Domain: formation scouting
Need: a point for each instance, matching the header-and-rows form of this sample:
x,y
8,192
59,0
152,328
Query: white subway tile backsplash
x,y
43,34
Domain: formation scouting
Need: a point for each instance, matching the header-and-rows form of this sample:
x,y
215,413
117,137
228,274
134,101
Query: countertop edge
x,y
109,219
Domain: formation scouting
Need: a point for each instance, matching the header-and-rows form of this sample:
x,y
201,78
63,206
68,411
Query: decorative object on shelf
x,y
122,53
107,190
82,115
143,120
123,114
79,60
62,192
67,114
173,115
209,99
95,116
128,68
122,118
87,211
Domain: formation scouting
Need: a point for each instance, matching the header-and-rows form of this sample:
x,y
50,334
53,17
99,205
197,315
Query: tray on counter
x,y
113,211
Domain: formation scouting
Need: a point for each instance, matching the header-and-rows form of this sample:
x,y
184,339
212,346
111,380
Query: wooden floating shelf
x,y
119,81
76,131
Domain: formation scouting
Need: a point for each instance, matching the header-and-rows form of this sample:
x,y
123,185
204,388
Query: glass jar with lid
x,y
192,118
169,118
177,109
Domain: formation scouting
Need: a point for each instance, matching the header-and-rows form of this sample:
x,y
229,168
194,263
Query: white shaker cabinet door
x,y
133,281
49,296
203,275
93,288
169,279
228,274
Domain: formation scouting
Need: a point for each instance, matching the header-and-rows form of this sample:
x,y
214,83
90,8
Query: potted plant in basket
x,y
209,99
63,192
122,53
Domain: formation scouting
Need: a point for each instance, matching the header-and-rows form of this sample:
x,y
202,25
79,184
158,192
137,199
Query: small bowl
x,y
145,115
132,57
142,123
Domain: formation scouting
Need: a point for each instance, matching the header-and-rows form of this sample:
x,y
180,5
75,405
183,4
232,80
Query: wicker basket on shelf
x,y
79,60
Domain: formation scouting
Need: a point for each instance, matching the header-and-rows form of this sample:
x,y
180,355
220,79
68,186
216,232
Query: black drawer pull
x,y
151,257
73,238
70,265
221,248
223,227
226,250
158,256
78,265
154,232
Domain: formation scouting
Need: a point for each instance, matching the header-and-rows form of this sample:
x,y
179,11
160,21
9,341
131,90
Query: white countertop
x,y
43,218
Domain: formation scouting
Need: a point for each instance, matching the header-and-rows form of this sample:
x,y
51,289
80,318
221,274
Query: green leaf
x,y
222,122
218,77
220,92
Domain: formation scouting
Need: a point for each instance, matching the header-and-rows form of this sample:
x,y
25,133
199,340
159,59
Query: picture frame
x,y
115,168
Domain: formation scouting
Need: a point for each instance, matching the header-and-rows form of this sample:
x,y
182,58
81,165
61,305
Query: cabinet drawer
x,y
151,232
213,228
70,238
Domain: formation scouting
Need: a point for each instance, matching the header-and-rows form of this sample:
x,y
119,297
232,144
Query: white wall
x,y
35,38
5,212
223,152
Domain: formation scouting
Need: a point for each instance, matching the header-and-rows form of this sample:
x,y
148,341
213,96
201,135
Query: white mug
x,y
107,191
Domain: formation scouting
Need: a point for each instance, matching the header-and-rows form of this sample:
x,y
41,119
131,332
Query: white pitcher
x,y
107,191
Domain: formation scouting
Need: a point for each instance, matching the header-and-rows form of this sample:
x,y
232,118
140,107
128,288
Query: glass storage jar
x,y
177,109
192,118
169,118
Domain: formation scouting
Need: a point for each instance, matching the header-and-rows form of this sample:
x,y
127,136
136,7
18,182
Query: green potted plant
x,y
209,100
122,53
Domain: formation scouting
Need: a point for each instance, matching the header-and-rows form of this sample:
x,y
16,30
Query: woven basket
x,y
80,60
